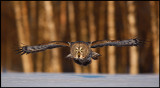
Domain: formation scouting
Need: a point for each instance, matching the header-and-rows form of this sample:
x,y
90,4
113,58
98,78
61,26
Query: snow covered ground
x,y
78,80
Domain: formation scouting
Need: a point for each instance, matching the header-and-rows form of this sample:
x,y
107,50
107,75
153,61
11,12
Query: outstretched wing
x,y
129,42
42,47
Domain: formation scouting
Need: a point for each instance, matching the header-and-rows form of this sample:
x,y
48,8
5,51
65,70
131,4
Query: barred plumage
x,y
129,42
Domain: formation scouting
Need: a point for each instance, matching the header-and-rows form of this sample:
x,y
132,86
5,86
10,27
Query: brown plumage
x,y
80,51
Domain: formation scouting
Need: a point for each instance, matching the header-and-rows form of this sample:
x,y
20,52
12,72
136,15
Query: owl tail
x,y
95,55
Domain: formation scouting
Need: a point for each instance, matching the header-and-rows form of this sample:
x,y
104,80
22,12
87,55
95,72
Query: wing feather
x,y
129,42
42,47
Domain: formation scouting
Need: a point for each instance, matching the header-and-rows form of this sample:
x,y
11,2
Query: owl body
x,y
80,51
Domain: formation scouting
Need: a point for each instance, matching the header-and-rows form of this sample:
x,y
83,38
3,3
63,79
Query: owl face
x,y
80,50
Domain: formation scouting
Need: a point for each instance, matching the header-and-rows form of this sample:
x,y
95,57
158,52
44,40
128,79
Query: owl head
x,y
80,50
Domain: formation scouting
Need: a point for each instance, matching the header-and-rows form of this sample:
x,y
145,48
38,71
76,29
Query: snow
x,y
78,80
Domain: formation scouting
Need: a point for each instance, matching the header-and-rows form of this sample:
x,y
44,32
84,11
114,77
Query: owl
x,y
80,51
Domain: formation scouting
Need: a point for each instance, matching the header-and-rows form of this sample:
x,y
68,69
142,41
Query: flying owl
x,y
80,51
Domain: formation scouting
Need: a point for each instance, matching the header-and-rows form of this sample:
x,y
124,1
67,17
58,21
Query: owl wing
x,y
42,47
129,42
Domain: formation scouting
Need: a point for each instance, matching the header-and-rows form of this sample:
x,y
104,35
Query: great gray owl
x,y
80,51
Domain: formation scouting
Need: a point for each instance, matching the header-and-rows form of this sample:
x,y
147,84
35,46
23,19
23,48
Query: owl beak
x,y
78,54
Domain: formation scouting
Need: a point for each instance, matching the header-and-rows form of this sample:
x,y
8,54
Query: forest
x,y
25,23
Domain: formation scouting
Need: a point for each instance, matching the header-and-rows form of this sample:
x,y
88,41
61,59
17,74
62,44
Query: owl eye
x,y
76,48
81,48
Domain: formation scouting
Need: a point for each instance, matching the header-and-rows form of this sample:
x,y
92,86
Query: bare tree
x,y
133,32
112,36
155,35
73,35
23,32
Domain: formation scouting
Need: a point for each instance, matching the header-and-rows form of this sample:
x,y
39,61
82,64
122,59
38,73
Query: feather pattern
x,y
42,47
129,42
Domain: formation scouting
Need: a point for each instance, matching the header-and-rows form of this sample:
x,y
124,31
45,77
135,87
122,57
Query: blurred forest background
x,y
35,22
